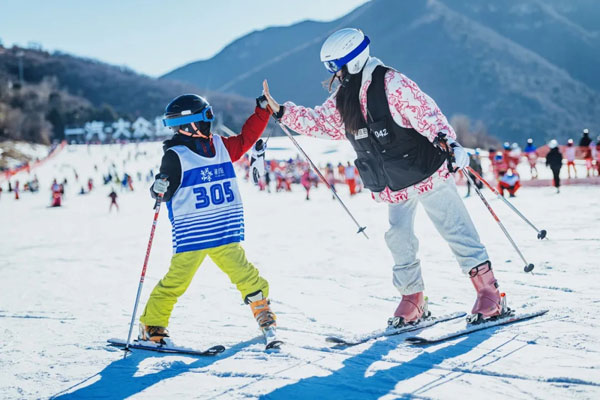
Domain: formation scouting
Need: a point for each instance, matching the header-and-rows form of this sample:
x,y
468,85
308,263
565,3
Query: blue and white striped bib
x,y
206,210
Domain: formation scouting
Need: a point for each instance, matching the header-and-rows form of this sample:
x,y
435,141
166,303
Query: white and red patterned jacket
x,y
409,106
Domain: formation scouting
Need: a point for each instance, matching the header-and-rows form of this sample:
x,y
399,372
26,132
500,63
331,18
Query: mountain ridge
x,y
458,55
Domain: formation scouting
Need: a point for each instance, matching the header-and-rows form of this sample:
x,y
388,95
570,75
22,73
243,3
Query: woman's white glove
x,y
461,157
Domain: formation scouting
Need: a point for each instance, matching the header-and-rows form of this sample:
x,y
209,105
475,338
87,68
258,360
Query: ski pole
x,y
139,291
541,234
361,229
528,267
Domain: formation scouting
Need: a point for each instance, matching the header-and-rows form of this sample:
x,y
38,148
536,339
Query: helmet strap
x,y
345,78
197,132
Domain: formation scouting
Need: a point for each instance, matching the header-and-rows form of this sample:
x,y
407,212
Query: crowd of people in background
x,y
281,175
112,179
504,162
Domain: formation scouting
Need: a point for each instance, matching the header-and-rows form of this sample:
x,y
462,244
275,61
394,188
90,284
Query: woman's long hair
x,y
347,101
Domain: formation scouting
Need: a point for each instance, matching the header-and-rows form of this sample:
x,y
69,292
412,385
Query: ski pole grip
x,y
159,197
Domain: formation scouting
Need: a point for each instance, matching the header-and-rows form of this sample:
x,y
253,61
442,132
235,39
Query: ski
x,y
163,348
424,323
508,319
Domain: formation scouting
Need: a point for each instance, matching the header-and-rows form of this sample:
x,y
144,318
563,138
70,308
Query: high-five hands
x,y
275,107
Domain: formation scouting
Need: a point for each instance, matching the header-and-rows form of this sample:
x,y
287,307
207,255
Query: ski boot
x,y
156,334
490,304
412,308
265,318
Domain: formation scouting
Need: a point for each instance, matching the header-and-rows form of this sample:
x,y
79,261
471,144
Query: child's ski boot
x,y
265,318
156,334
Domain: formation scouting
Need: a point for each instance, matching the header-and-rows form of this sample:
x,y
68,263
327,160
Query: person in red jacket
x,y
509,182
350,176
56,194
197,181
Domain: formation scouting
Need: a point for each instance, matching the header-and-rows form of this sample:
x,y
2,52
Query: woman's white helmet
x,y
349,47
553,143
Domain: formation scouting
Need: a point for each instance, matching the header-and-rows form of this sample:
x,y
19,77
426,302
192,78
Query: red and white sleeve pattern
x,y
412,108
323,121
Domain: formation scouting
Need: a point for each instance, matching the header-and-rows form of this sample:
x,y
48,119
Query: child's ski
x,y
165,348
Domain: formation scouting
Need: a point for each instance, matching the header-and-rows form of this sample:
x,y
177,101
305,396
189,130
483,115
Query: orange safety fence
x,y
28,166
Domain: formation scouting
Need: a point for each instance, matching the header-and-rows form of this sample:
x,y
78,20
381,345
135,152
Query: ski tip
x,y
336,340
416,340
218,349
275,344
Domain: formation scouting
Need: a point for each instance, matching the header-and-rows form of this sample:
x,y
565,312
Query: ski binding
x,y
392,330
476,323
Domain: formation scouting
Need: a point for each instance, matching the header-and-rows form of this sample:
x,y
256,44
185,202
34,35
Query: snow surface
x,y
69,277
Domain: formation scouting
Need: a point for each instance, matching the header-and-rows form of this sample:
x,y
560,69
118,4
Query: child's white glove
x,y
160,186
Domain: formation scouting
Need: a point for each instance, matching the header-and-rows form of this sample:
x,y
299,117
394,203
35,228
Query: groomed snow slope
x,y
69,277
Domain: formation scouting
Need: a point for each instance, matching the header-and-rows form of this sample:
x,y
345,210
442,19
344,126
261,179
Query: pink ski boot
x,y
411,309
489,303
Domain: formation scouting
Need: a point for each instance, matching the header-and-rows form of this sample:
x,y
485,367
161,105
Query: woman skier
x,y
394,127
198,182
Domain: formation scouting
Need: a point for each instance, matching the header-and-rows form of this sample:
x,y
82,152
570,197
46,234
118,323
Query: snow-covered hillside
x,y
69,277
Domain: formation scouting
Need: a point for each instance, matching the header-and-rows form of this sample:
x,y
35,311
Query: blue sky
x,y
151,36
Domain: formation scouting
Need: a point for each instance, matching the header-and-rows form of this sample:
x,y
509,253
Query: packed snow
x,y
70,274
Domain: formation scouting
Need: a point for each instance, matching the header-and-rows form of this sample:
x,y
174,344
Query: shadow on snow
x,y
117,380
350,382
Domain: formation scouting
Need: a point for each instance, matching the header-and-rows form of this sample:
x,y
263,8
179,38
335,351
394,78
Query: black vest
x,y
388,154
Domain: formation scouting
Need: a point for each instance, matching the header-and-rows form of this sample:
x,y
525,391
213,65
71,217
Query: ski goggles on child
x,y
334,66
206,115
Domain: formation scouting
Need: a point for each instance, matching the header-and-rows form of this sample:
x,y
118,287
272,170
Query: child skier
x,y
198,182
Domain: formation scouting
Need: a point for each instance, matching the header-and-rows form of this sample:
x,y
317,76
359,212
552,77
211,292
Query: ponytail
x,y
347,101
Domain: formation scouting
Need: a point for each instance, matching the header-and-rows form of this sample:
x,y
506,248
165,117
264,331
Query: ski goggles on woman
x,y
334,66
206,115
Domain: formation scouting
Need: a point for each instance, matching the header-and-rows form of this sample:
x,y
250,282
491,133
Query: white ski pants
x,y
450,217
